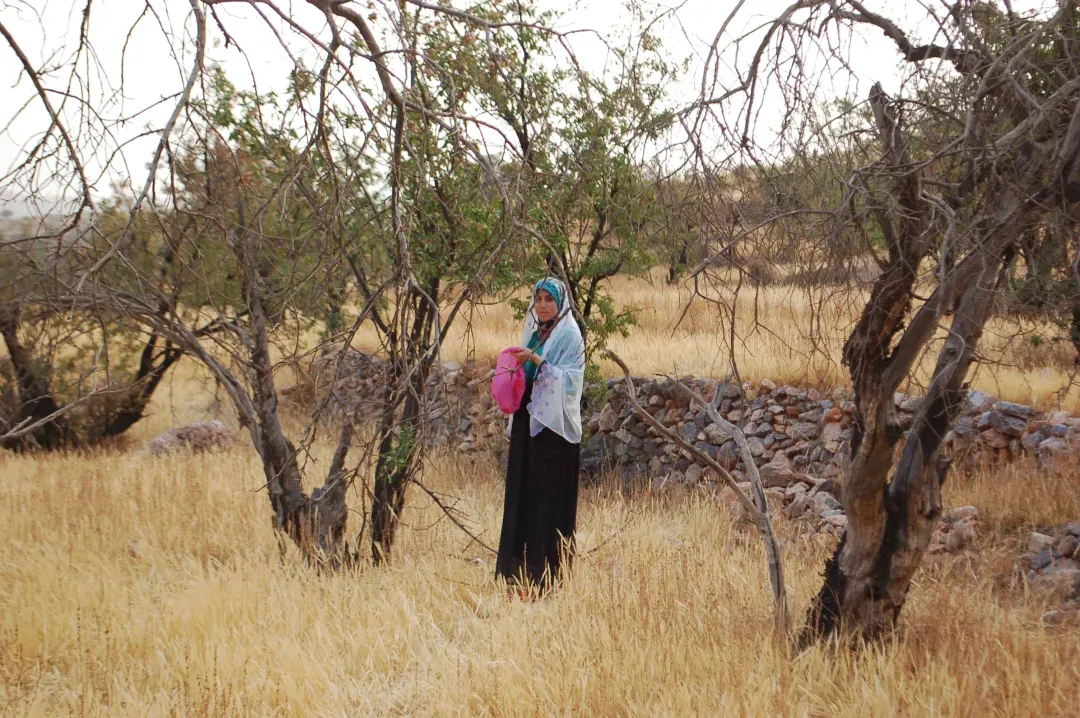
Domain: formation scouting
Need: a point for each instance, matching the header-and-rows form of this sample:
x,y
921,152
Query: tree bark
x,y
892,505
870,573
36,402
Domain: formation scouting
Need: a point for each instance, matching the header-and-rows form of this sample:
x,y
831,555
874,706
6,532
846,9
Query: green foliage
x,y
606,321
400,455
579,137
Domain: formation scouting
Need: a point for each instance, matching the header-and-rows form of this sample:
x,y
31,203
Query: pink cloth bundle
x,y
508,384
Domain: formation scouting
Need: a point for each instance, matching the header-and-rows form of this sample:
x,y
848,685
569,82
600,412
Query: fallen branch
x,y
758,508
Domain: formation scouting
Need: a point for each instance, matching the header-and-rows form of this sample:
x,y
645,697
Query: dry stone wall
x,y
796,432
793,433
462,412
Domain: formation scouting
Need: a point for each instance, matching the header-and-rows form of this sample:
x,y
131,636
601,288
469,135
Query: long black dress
x,y
540,511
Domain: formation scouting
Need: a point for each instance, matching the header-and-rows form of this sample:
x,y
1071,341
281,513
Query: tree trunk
x,y
34,393
869,575
395,466
151,371
316,524
677,267
892,505
401,440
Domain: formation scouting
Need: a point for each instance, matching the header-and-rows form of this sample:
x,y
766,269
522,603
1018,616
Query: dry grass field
x,y
783,332
132,586
129,588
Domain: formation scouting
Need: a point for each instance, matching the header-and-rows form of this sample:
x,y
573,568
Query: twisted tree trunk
x,y
316,524
892,505
891,518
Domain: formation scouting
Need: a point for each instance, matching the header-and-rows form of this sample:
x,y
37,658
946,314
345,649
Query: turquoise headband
x,y
553,287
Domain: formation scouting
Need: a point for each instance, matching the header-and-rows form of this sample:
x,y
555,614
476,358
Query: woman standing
x,y
540,510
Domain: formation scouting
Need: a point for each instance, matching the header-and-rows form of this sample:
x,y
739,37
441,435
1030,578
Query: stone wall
x,y
796,432
463,414
793,433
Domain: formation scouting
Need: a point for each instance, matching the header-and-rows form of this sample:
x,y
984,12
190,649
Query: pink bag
x,y
508,384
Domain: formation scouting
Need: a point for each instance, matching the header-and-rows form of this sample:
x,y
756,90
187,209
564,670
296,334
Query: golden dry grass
x,y
138,587
1021,495
135,586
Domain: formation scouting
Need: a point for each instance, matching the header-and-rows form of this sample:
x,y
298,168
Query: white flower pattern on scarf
x,y
542,388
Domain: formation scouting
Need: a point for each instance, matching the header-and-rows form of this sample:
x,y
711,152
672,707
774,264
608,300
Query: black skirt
x,y
540,510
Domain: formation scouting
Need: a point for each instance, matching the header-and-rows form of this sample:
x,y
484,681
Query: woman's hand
x,y
524,355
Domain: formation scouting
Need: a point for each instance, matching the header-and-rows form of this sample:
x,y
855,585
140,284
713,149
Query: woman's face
x,y
545,306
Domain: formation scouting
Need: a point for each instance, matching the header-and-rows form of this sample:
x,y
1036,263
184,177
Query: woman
x,y
540,509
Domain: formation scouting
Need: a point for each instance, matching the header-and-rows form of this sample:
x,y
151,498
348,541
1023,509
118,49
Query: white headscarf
x,y
556,394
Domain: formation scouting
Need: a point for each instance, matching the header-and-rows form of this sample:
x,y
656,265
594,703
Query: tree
x,y
994,159
327,206
581,139
458,242
72,379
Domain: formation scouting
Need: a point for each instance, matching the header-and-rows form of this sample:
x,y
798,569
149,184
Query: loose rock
x,y
197,438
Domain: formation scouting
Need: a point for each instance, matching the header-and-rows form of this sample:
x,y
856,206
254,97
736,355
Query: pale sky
x,y
155,69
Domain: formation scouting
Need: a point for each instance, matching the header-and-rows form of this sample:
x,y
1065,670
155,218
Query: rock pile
x,y
957,530
812,503
1052,562
818,507
197,438
1003,428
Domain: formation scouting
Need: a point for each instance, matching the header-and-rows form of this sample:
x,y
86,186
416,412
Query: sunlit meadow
x,y
145,587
